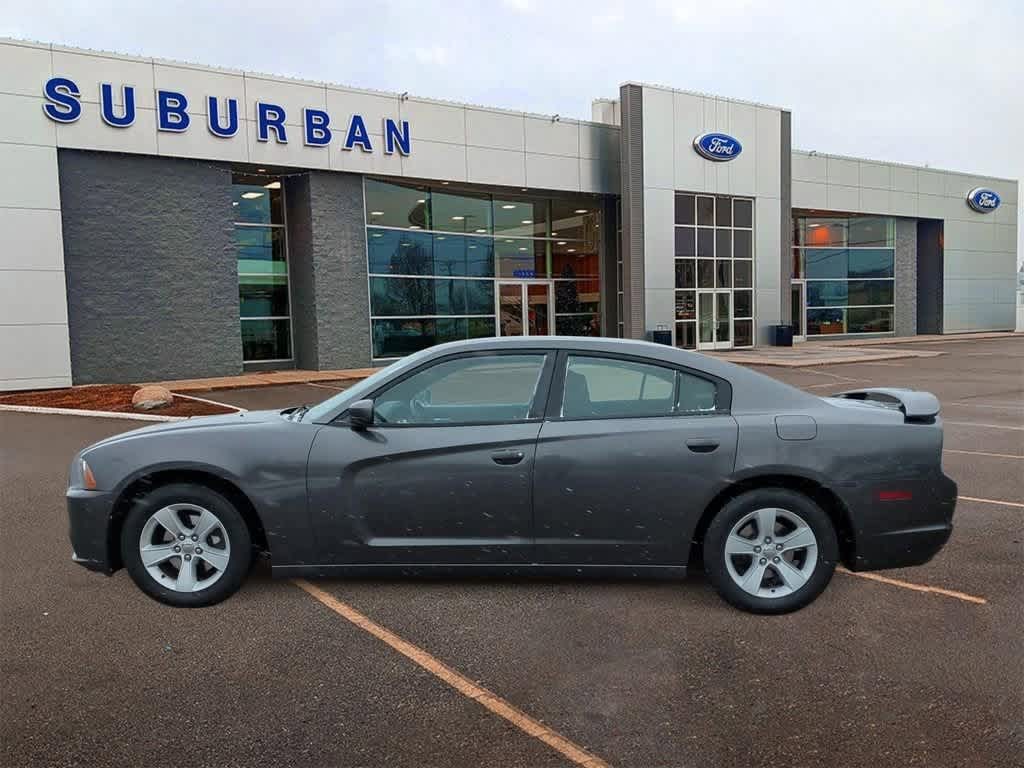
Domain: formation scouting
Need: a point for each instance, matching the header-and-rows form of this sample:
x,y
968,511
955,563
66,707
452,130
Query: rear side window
x,y
601,387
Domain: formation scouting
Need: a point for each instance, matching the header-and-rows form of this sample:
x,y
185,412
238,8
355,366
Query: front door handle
x,y
702,444
507,458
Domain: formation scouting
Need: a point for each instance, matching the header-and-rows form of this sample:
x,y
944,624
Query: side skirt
x,y
443,570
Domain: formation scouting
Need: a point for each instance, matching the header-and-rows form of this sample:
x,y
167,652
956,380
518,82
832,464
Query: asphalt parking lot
x,y
925,668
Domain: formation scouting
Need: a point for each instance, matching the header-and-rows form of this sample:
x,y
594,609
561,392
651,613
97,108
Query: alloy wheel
x,y
184,547
771,552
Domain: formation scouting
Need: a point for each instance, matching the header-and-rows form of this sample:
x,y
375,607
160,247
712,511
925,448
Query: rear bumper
x,y
89,514
906,533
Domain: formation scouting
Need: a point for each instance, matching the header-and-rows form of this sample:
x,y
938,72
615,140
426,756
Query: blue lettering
x,y
357,134
170,111
107,106
393,136
317,133
270,116
62,100
213,118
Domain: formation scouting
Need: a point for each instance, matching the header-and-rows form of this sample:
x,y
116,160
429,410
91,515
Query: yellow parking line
x,y
992,501
459,682
983,426
985,453
916,587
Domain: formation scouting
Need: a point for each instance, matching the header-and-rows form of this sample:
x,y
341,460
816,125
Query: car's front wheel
x,y
186,545
770,550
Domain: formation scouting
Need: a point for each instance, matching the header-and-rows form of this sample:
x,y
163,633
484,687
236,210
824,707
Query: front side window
x,y
467,390
600,387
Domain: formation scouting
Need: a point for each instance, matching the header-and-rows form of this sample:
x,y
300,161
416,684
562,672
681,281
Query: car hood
x,y
196,423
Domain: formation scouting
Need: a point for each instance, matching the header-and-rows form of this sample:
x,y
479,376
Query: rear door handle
x,y
701,444
507,458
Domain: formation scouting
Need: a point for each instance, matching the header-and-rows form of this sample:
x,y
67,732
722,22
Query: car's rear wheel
x,y
186,545
770,550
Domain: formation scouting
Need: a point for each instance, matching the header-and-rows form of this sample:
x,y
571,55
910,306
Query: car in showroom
x,y
551,455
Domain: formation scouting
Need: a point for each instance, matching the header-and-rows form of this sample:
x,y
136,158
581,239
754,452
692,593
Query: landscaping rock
x,y
148,398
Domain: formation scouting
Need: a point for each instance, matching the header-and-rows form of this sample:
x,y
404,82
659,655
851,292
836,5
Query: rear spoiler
x,y
916,406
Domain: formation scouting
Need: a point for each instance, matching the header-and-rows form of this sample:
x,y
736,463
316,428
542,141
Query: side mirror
x,y
360,414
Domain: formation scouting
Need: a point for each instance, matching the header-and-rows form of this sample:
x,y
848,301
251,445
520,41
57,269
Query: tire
x,y
211,574
790,570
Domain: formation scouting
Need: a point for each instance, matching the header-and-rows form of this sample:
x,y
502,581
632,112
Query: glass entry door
x,y
714,319
798,300
524,308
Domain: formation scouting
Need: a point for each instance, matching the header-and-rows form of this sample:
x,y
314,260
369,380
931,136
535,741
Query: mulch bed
x,y
108,397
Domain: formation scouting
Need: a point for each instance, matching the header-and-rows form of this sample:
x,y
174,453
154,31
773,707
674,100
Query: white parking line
x,y
1007,407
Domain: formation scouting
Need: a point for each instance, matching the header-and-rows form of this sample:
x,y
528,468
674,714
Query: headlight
x,y
88,479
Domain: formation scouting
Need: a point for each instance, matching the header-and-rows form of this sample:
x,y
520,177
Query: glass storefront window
x,y
686,242
425,232
264,306
393,205
686,273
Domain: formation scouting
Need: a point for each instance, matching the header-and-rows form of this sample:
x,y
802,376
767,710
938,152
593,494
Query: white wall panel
x,y
495,130
30,239
808,194
291,95
843,172
495,166
690,168
198,142
435,122
24,121
342,104
659,242
875,175
843,198
551,171
767,156
34,356
548,137
599,176
810,168
32,297
599,141
90,132
659,139
25,68
88,70
198,84
357,161
35,168
436,160
875,200
904,179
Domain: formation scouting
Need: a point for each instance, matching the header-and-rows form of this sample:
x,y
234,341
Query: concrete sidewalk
x,y
804,355
266,379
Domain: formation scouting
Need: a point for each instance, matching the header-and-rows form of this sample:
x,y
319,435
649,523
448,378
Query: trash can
x,y
782,335
661,335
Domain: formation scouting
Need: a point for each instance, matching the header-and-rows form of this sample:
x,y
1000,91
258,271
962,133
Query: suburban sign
x,y
63,105
717,146
983,200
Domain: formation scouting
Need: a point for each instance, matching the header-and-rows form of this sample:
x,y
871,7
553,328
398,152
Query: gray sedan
x,y
529,455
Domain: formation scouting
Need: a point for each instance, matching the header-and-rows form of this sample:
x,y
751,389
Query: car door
x,y
629,456
443,476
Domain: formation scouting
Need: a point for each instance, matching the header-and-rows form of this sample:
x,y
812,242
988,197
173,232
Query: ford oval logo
x,y
983,200
717,146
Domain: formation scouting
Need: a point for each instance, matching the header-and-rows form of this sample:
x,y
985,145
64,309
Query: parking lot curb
x,y
98,414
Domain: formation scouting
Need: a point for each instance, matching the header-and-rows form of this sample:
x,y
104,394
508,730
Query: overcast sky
x,y
938,82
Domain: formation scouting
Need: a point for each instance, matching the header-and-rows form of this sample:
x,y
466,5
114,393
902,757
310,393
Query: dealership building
x,y
164,220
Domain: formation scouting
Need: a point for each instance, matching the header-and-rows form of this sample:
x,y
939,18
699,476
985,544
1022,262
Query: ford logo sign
x,y
717,146
983,200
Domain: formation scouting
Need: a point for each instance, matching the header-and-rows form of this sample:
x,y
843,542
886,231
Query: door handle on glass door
x,y
507,458
701,444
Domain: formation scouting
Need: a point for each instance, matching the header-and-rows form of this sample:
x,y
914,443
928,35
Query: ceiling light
x,y
554,234
440,237
572,250
524,189
421,200
522,249
251,195
261,170
406,245
376,234
508,206
376,213
814,225
581,210
234,202
272,185
481,230
472,247
510,241
527,221
458,218
444,183
414,226
561,242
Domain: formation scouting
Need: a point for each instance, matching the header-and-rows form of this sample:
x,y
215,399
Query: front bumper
x,y
89,514
901,534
